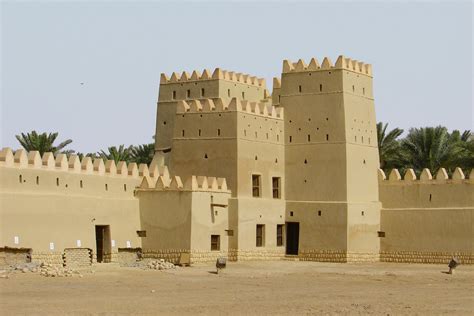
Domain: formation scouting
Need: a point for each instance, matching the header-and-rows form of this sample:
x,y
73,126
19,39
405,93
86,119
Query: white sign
x,y
16,240
113,242
51,246
78,243
129,244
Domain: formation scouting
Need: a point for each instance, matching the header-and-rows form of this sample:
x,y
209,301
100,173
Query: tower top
x,y
341,63
217,74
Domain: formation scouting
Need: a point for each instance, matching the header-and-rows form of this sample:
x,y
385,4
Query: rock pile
x,y
27,267
160,264
49,270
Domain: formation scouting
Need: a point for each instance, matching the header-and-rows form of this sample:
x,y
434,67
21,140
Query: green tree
x,y
465,157
432,148
143,153
389,147
121,153
43,142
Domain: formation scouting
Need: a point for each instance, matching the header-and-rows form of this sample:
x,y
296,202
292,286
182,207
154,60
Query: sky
x,y
421,54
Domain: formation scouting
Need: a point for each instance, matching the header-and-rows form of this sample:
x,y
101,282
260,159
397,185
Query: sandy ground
x,y
277,287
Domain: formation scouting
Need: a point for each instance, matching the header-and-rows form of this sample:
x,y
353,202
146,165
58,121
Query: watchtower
x,y
331,158
220,84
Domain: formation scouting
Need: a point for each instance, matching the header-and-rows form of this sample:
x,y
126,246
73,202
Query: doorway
x,y
292,238
103,244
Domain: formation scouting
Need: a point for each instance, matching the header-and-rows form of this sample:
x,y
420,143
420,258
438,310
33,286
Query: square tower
x,y
331,159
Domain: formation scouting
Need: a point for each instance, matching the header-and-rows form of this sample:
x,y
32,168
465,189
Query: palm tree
x,y
43,142
465,158
143,153
389,147
431,147
121,153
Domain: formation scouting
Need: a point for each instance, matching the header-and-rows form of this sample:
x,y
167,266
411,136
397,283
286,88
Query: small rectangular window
x,y
243,95
202,92
381,234
299,89
260,235
182,133
279,99
363,91
188,94
256,185
291,138
141,233
309,138
276,184
218,132
279,235
215,242
320,87
199,132
174,95
228,92
327,136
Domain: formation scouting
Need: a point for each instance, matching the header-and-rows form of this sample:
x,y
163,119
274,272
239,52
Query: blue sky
x,y
421,54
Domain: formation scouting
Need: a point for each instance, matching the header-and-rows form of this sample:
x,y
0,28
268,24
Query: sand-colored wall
x,y
62,201
427,220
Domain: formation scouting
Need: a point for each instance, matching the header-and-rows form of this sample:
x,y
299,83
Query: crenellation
x,y
425,177
217,74
341,63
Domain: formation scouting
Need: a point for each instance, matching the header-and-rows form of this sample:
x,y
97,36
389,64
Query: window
x,y
37,180
125,187
199,132
256,185
20,178
218,132
182,133
174,95
106,187
319,213
228,92
327,136
320,87
202,92
276,183
80,184
353,89
363,91
260,235
243,95
279,99
299,89
309,138
278,138
215,242
188,94
279,235
141,233
291,139
57,182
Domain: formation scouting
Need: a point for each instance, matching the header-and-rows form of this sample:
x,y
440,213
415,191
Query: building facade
x,y
242,174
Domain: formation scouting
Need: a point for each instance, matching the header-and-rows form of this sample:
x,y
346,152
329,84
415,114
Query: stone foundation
x,y
54,258
426,257
323,256
260,254
207,256
126,255
169,255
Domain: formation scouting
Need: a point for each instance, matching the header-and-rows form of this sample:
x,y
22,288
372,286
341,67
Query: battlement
x,y
33,160
425,177
341,63
166,182
218,74
219,105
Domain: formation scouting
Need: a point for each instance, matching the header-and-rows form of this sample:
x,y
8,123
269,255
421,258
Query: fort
x,y
245,174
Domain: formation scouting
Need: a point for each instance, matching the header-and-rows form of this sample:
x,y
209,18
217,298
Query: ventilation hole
x,y
430,197
364,161
256,135
106,187
319,213
278,138
199,132
164,122
276,160
305,161
80,184
57,181
125,187
299,89
256,158
309,119
309,138
320,87
355,138
362,139
245,132
218,132
291,213
291,138
362,213
267,135
327,136
327,118
363,91
205,156
188,94
202,92
182,133
228,92
353,89
174,95
305,181
20,178
37,180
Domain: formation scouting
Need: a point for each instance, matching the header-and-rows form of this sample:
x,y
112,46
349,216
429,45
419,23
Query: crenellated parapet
x,y
165,182
425,177
219,105
217,74
341,63
22,159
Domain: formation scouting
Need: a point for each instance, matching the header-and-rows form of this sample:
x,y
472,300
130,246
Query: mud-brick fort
x,y
244,174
